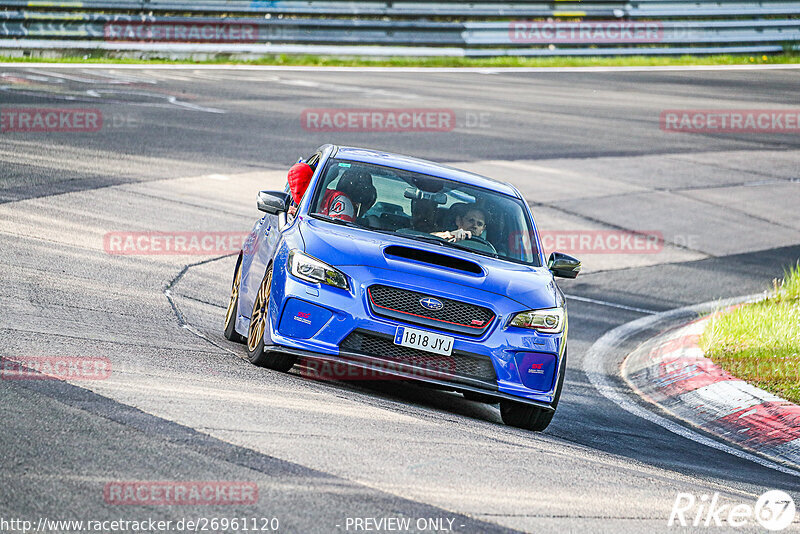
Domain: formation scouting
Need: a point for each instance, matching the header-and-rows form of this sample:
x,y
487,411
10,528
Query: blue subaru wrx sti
x,y
414,269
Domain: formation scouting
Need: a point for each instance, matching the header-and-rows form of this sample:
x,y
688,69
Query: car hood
x,y
341,246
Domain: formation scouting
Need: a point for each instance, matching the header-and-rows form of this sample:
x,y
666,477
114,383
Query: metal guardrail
x,y
410,33
681,9
651,27
453,8
440,8
193,49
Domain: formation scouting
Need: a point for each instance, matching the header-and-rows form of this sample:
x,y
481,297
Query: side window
x,y
313,160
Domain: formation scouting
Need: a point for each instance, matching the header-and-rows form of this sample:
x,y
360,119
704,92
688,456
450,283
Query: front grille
x,y
459,363
454,316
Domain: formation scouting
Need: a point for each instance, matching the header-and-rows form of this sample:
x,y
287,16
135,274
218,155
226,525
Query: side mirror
x,y
273,202
563,265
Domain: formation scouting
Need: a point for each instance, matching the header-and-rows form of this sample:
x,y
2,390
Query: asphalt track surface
x,y
184,150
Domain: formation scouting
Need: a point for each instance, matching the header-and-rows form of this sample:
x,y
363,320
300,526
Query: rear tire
x,y
233,307
532,417
257,353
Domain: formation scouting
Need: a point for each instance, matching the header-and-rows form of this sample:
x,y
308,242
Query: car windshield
x,y
426,208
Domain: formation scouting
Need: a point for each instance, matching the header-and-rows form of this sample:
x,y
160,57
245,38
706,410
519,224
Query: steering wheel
x,y
483,242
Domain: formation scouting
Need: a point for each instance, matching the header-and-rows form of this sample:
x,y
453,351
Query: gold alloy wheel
x,y
234,297
258,319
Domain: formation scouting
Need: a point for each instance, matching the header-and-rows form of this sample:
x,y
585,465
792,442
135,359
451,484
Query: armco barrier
x,y
331,7
454,28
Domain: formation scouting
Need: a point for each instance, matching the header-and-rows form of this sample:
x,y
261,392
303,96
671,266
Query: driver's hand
x,y
459,235
455,235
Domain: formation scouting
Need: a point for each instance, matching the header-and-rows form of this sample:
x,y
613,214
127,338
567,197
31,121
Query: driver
x,y
471,223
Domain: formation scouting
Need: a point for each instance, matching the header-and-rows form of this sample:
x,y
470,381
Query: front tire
x,y
233,307
256,351
525,416
532,417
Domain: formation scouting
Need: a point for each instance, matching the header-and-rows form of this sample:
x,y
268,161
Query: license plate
x,y
422,340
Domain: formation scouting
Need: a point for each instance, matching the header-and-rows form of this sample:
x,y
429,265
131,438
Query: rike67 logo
x,y
774,511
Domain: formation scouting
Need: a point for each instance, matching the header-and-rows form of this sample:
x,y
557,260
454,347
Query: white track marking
x,y
611,304
478,70
598,353
121,78
79,79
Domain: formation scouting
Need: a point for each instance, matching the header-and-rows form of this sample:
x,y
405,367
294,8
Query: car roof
x,y
387,159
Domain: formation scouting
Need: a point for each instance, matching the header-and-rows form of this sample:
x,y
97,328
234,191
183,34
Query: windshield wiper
x,y
470,249
428,239
444,243
328,218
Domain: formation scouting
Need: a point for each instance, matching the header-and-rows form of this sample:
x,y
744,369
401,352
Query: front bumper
x,y
409,372
313,321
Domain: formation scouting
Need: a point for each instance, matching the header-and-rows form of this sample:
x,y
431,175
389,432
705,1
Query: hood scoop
x,y
432,258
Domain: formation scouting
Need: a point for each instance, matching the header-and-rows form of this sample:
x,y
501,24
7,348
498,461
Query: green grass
x,y
760,342
330,61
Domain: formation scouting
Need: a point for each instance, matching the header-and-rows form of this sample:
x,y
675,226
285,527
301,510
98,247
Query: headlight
x,y
549,321
311,269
